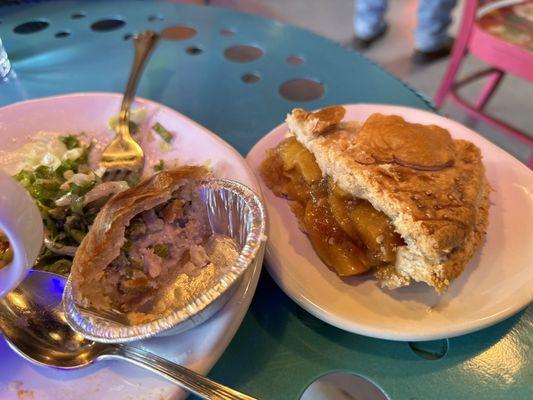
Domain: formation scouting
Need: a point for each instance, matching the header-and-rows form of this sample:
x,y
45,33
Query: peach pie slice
x,y
402,199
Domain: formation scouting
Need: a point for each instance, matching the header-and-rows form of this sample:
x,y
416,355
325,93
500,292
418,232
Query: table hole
x,y
128,36
309,319
430,350
155,18
227,32
301,89
31,26
63,34
108,24
194,50
78,15
178,32
243,53
295,60
250,77
343,386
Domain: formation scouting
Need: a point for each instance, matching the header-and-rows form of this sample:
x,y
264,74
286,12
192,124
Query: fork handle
x,y
144,44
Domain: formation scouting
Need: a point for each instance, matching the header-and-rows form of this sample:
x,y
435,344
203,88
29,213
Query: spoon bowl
x,y
34,325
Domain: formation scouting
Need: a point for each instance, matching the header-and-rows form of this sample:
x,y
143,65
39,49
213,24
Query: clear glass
x,y
5,65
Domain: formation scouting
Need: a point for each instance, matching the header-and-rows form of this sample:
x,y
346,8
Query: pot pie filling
x,y
151,249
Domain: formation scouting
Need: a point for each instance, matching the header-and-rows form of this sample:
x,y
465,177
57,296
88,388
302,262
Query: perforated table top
x,y
239,75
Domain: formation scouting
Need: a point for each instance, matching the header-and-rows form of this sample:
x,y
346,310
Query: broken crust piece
x,y
438,201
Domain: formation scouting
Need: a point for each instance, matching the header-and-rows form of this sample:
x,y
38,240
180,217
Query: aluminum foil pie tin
x,y
233,210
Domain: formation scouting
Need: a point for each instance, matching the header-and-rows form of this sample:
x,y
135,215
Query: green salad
x,y
68,194
55,170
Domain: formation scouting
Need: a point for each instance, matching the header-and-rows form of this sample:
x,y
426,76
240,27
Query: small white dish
x,y
21,222
497,283
198,348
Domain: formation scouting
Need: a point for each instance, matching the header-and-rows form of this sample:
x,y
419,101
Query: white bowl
x,y
21,222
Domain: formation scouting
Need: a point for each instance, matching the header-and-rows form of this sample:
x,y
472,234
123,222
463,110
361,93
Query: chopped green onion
x,y
132,180
161,250
71,141
163,132
160,166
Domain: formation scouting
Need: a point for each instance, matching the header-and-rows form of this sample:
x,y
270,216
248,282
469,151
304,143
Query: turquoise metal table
x,y
241,93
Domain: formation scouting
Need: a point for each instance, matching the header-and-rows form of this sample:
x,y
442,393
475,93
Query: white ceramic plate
x,y
198,348
497,283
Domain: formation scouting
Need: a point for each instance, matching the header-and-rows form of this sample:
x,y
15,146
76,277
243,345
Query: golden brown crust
x,y
441,205
320,121
390,139
438,213
105,238
440,275
455,264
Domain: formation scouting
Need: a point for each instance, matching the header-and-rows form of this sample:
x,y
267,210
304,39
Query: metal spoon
x,y
34,326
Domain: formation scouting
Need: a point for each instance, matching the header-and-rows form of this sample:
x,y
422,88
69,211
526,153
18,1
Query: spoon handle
x,y
183,377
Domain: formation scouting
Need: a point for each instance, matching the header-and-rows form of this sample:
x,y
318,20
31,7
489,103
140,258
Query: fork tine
x,y
122,174
114,174
117,174
109,175
128,175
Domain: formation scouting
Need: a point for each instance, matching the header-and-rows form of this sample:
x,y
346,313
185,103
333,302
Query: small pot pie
x,y
151,249
402,199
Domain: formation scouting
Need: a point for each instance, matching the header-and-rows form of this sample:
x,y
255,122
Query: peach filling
x,y
347,233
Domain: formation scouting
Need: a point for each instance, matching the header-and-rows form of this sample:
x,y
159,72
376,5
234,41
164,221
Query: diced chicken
x,y
152,263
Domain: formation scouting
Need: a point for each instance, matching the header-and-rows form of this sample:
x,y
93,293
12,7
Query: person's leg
x,y
434,18
369,18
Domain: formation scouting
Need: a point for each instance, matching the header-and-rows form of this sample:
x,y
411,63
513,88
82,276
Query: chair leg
x,y
459,51
490,86
449,77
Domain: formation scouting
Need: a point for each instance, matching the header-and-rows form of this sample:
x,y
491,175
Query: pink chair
x,y
483,34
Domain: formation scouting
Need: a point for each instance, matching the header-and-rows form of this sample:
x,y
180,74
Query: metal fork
x,y
123,158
